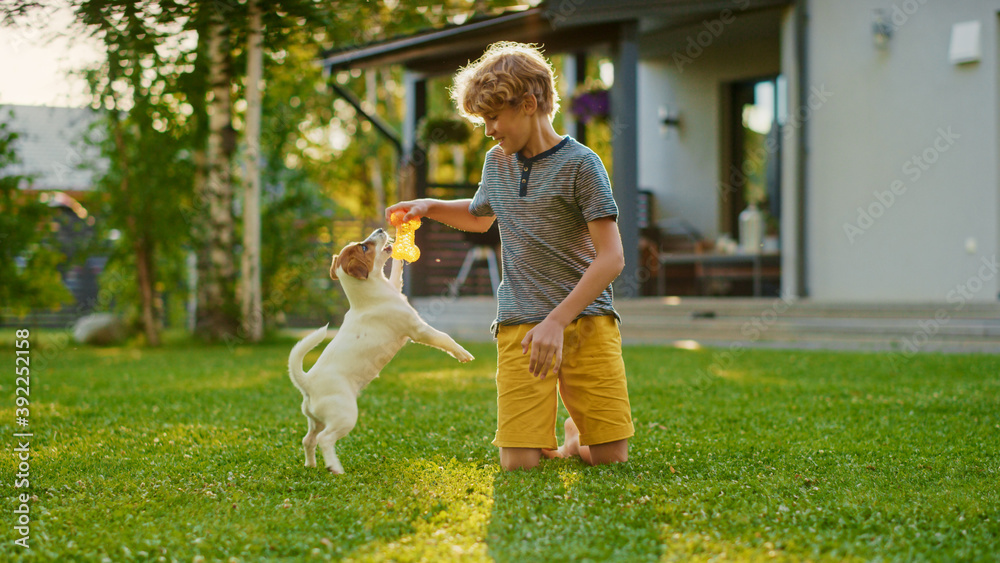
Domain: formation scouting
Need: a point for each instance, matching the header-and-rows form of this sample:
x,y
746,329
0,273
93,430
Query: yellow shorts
x,y
591,383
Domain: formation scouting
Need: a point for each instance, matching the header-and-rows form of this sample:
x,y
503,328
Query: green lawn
x,y
194,453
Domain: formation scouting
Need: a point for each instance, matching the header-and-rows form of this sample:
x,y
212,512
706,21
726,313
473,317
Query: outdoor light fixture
x,y
668,119
881,29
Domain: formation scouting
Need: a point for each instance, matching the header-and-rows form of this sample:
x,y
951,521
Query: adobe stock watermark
x,y
72,161
957,298
560,12
901,13
913,169
711,30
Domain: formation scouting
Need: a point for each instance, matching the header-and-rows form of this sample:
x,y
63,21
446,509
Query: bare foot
x,y
552,454
571,446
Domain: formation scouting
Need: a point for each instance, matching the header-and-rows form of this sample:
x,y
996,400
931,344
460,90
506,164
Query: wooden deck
x,y
764,323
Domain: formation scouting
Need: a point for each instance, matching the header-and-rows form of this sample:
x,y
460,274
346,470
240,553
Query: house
x,y
866,131
51,147
879,124
63,169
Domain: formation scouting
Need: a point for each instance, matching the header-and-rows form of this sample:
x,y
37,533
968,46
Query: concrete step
x,y
770,323
464,318
944,327
903,346
753,307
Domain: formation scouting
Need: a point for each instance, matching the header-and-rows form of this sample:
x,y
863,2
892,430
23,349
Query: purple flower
x,y
588,105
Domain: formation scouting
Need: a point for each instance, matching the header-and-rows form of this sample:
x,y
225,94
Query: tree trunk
x,y
141,247
253,321
217,315
197,223
146,279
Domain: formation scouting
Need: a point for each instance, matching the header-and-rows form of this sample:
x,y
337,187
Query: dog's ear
x,y
333,267
356,267
353,261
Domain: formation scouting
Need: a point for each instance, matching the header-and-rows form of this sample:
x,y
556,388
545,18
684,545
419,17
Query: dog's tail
x,y
298,354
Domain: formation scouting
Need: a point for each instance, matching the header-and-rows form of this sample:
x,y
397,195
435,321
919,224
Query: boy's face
x,y
511,127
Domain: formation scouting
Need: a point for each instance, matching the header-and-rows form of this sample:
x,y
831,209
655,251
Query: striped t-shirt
x,y
542,205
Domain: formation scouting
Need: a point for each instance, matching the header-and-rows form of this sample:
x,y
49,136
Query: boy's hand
x,y
414,210
545,342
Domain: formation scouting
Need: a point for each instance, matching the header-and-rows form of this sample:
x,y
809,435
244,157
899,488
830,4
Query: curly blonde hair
x,y
503,77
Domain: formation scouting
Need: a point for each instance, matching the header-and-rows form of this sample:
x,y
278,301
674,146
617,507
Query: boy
x,y
560,252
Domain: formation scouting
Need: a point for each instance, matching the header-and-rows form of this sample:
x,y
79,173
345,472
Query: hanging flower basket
x,y
443,131
590,104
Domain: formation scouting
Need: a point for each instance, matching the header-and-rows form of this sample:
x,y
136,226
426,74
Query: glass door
x,y
753,173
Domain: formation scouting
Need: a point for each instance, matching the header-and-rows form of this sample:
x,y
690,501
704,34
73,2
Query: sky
x,y
36,63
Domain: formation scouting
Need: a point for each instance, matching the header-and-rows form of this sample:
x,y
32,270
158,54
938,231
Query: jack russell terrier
x,y
379,322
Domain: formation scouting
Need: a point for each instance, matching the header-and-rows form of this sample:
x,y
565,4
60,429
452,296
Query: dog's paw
x,y
335,470
464,356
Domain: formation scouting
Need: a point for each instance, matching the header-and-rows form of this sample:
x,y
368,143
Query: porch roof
x,y
440,51
560,26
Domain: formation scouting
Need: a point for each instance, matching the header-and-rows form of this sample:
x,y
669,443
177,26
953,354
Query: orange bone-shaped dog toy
x,y
404,248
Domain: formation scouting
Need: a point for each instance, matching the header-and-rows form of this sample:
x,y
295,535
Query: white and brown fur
x,y
379,322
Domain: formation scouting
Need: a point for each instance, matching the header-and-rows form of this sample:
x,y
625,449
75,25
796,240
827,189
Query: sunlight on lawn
x,y
451,380
115,352
455,376
454,502
193,436
570,476
183,440
228,380
708,546
749,377
731,374
47,410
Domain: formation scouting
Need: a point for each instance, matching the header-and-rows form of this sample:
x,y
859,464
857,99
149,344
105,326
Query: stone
x,y
99,329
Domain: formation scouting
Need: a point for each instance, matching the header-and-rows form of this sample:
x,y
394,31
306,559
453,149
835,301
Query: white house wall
x,y
903,198
51,147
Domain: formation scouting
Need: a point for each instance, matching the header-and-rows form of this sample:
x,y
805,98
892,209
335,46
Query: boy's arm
x,y
546,339
454,213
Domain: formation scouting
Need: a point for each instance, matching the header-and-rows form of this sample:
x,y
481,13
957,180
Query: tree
x,y
13,11
144,138
148,97
217,312
253,319
178,99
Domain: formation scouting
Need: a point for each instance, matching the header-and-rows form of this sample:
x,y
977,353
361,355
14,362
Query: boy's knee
x,y
612,452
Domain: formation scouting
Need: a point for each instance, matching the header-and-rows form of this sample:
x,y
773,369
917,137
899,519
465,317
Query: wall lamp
x,y
881,29
668,119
